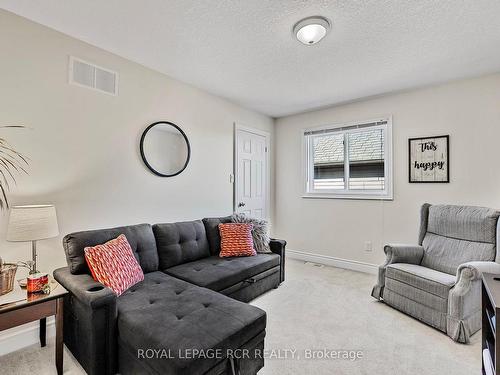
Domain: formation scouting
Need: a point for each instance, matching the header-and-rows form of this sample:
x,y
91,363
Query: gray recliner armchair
x,y
438,281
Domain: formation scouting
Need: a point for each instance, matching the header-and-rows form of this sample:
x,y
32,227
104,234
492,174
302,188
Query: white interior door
x,y
251,172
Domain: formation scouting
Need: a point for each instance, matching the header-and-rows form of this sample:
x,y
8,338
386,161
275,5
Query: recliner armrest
x,y
464,298
396,253
400,253
278,247
474,270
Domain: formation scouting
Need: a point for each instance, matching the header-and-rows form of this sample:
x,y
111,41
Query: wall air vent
x,y
85,74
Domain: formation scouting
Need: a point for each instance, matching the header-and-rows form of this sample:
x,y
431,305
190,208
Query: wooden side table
x,y
38,307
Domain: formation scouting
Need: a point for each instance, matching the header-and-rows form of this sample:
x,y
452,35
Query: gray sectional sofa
x,y
190,300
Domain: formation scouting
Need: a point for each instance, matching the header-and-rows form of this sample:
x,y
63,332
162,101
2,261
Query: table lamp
x,y
32,223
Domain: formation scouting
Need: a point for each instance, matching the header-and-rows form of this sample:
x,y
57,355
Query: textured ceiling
x,y
243,50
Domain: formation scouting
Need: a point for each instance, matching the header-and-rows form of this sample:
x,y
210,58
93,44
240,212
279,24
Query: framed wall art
x,y
429,159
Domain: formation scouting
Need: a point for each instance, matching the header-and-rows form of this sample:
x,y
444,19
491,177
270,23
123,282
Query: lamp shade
x,y
31,223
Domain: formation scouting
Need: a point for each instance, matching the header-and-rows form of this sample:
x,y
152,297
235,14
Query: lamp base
x,y
34,268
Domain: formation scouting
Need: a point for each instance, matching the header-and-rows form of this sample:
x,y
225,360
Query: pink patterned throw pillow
x,y
114,265
236,240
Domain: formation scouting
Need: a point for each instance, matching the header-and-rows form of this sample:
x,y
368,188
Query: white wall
x,y
84,145
469,111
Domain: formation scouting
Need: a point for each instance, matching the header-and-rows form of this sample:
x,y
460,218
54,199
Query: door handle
x,y
241,204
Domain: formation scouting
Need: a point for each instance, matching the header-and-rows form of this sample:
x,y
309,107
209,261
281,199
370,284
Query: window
x,y
349,160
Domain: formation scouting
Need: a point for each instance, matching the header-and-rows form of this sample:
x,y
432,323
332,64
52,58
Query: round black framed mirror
x,y
165,149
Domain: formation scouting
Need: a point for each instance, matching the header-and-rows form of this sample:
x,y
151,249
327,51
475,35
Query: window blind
x,y
344,128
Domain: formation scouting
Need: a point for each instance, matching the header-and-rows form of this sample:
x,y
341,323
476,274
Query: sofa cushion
x,y
212,230
220,273
179,243
419,277
140,238
165,313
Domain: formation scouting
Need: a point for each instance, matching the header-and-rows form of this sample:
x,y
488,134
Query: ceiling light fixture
x,y
311,30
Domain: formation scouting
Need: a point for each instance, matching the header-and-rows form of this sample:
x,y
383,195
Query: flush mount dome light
x,y
311,30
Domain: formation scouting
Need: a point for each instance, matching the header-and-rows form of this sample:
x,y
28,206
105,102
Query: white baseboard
x,y
20,337
332,261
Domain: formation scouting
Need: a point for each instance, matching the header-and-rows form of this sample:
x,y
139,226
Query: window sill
x,y
349,196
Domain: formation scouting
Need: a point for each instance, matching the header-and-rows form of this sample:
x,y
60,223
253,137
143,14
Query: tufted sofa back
x,y
140,237
452,235
156,247
179,243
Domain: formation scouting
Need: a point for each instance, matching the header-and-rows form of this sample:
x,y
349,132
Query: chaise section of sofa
x,y
183,302
163,313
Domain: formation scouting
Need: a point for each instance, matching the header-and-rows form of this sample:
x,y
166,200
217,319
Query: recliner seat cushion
x,y
163,312
419,277
140,237
179,243
219,273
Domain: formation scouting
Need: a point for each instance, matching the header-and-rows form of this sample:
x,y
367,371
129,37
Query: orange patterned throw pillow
x,y
114,265
236,240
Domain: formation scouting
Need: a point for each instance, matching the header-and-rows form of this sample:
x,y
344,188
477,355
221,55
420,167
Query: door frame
x,y
237,127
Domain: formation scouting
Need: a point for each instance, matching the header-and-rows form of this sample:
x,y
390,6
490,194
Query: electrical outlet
x,y
368,246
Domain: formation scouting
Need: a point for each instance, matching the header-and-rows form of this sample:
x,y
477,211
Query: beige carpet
x,y
323,308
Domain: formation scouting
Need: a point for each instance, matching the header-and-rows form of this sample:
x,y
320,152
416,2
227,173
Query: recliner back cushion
x,y
140,237
445,254
459,234
477,224
180,243
213,234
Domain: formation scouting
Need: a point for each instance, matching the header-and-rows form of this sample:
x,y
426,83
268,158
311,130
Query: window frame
x,y
346,193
